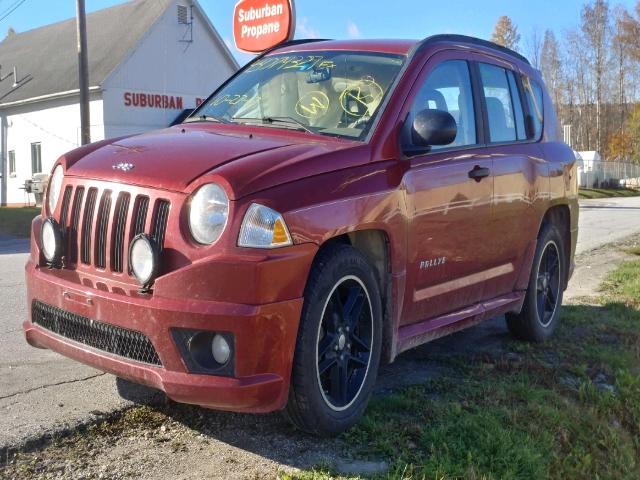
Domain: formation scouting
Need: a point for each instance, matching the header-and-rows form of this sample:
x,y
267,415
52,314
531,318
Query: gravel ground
x,y
179,441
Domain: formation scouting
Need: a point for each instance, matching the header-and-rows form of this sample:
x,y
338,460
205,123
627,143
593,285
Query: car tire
x,y
339,343
540,312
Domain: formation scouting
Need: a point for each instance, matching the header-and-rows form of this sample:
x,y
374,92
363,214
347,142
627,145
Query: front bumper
x,y
265,337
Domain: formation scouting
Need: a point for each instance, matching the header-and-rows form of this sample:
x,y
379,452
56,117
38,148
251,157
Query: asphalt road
x,y
41,391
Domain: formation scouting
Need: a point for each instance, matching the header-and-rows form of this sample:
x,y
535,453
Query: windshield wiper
x,y
206,118
284,120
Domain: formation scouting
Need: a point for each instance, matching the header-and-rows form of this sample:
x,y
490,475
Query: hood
x,y
171,159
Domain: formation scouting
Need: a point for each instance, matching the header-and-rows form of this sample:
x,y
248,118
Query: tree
x,y
620,53
506,33
551,66
630,32
619,146
633,130
596,30
534,48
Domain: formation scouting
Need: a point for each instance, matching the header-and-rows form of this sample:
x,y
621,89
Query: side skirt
x,y
411,336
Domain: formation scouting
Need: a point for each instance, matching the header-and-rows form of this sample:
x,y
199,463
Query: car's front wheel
x,y
339,343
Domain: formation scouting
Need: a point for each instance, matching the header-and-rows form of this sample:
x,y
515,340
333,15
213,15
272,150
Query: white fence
x,y
602,174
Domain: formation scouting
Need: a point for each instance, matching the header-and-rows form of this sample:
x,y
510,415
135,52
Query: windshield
x,y
330,92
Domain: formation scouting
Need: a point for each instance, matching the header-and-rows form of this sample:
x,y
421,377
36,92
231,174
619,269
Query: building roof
x,y
49,53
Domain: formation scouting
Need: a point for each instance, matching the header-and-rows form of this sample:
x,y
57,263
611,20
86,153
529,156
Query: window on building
x,y
36,158
448,88
12,163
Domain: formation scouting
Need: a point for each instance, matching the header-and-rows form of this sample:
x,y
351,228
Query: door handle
x,y
478,173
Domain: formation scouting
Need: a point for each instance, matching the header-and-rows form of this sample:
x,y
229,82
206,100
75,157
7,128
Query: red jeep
x,y
330,206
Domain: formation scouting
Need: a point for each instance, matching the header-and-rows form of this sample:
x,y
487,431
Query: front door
x,y
449,191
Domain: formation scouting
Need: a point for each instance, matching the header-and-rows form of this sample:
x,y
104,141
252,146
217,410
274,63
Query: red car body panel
x,y
426,207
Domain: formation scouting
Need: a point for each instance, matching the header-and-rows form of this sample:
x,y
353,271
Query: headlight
x,y
263,227
51,241
53,192
144,259
208,213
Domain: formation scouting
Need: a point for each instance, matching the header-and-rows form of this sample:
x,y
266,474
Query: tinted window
x,y
448,88
517,106
533,94
502,125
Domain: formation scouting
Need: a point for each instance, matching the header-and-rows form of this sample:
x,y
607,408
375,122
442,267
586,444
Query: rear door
x,y
519,173
449,212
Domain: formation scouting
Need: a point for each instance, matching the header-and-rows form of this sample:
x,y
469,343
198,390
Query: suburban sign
x,y
262,24
154,100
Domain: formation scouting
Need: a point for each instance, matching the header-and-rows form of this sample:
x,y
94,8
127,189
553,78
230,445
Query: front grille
x,y
101,336
99,226
87,225
72,230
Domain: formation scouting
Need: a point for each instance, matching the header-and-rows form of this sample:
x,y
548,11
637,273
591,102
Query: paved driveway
x,y
40,390
605,221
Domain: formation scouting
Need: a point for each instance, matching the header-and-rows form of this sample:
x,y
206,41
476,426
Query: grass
x,y
608,192
17,221
569,408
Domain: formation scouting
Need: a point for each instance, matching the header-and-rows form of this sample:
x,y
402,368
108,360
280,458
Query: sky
x,y
351,18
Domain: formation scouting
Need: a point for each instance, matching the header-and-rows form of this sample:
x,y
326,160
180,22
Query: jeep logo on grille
x,y
125,167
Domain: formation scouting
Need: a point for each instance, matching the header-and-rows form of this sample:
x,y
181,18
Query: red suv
x,y
330,206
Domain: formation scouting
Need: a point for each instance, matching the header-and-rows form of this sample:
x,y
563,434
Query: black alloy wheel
x,y
540,312
548,283
344,343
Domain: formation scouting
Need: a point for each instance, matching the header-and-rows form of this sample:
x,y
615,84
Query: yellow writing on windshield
x,y
296,62
313,105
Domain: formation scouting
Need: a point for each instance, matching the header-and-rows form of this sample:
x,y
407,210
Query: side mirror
x,y
433,127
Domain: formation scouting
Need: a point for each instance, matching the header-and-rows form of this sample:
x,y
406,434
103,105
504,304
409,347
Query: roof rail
x,y
473,41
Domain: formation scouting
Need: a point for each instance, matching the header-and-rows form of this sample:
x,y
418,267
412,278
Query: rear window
x,y
533,94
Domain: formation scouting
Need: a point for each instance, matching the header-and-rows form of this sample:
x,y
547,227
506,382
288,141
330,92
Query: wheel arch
x,y
375,245
560,216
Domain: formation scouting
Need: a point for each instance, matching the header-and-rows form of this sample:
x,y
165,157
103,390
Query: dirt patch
x,y
592,268
181,441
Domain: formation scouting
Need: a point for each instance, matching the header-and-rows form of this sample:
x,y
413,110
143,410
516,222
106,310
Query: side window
x,y
521,133
500,111
448,88
12,163
533,94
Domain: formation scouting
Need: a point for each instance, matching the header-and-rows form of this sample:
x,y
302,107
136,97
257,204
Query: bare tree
x,y
630,31
621,59
534,47
551,66
506,33
597,32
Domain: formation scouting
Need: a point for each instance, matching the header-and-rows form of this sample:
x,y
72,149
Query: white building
x,y
149,61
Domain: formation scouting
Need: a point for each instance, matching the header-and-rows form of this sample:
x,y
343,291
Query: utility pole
x,y
83,70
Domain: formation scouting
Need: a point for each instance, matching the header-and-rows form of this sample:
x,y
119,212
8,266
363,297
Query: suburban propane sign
x,y
262,24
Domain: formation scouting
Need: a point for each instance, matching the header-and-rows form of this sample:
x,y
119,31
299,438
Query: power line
x,y
11,9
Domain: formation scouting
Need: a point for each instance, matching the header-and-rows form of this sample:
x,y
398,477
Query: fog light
x,y
143,258
51,241
220,349
206,352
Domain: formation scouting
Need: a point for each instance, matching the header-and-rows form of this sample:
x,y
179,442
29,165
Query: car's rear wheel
x,y
339,342
541,310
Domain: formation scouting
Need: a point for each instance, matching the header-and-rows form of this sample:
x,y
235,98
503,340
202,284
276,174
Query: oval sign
x,y
261,24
